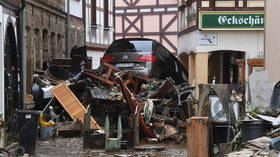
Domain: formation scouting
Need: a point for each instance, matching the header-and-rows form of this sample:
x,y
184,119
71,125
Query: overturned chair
x,y
113,143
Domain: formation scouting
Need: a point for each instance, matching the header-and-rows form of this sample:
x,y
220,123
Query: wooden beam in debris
x,y
224,93
133,105
107,76
90,74
71,104
164,89
204,90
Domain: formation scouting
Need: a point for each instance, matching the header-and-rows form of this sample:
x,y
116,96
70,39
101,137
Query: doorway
x,y
11,73
222,67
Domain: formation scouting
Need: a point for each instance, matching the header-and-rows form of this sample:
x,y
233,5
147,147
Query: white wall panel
x,y
95,55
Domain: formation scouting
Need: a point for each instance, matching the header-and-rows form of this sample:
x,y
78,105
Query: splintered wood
x,y
257,148
71,104
197,137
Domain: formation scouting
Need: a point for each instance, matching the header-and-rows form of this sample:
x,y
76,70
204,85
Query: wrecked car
x,y
145,58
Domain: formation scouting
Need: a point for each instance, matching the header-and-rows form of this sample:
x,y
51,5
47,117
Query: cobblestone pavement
x,y
72,147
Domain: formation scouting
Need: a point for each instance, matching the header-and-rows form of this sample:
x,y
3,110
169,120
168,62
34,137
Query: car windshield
x,y
131,46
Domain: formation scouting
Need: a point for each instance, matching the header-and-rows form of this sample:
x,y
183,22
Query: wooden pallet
x,y
71,104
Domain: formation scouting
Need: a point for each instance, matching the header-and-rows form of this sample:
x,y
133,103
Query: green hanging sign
x,y
209,20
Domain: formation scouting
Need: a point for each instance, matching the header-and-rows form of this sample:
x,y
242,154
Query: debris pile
x,y
257,147
260,131
162,104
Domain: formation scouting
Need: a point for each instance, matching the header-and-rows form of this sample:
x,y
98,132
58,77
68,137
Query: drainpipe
x,y
67,29
21,51
84,16
114,20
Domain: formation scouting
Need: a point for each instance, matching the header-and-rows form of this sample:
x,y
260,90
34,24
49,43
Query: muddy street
x,y
73,147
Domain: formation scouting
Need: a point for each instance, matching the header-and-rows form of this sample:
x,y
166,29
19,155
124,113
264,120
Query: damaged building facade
x,y
99,27
76,23
45,35
219,41
10,58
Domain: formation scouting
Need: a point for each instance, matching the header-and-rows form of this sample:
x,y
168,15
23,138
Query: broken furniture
x,y
71,104
68,128
183,91
107,76
133,105
132,82
113,143
220,103
116,97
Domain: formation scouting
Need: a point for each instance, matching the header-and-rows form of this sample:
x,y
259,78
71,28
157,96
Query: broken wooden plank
x,y
134,105
197,137
107,74
71,104
90,74
204,90
261,143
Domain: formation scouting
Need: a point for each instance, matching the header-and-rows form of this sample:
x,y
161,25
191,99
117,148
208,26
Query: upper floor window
x,y
93,12
106,13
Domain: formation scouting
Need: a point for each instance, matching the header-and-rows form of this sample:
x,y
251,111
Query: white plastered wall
x,y
4,16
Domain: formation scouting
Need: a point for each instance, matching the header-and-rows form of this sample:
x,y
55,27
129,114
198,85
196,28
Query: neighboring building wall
x,y
155,19
7,16
45,34
95,56
76,27
272,40
193,39
99,28
249,41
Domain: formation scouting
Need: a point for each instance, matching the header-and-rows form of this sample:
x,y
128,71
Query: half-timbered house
x,y
99,27
154,19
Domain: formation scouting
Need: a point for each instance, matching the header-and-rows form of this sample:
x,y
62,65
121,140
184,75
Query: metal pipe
x,y
114,21
21,50
67,29
84,18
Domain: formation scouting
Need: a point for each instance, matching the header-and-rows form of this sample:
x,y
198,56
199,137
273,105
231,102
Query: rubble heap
x,y
162,104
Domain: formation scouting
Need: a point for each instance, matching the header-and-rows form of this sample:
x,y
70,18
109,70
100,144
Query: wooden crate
x,y
71,104
197,137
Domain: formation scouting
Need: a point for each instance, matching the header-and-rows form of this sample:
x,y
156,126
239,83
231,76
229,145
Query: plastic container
x,y
28,125
220,132
252,129
46,132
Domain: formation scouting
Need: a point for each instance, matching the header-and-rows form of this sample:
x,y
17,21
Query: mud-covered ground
x,y
72,147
